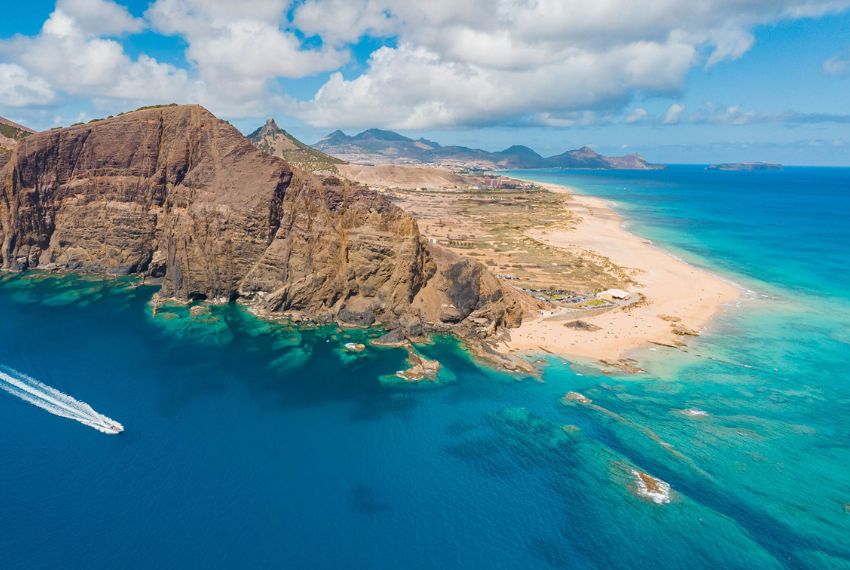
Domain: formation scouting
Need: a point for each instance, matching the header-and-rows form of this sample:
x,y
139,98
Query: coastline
x,y
677,299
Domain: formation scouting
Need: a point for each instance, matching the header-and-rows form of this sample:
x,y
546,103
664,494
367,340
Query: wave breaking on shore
x,y
52,400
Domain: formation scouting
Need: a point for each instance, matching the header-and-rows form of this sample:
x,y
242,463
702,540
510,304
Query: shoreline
x,y
671,299
677,299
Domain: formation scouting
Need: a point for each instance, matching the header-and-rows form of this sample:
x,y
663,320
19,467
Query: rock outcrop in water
x,y
175,194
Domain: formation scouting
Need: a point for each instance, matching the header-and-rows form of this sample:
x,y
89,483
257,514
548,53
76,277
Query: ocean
x,y
255,444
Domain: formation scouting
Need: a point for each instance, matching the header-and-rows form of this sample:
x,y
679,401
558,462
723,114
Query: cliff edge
x,y
177,195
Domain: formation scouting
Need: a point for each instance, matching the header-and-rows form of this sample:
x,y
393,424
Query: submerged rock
x,y
682,330
394,338
627,365
577,397
695,413
649,487
420,368
354,347
535,437
199,310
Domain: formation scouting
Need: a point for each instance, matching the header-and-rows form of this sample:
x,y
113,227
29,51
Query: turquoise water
x,y
251,444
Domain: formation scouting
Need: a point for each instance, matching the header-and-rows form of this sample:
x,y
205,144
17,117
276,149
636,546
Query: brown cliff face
x,y
175,193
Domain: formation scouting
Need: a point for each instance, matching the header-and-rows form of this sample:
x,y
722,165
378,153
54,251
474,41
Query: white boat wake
x,y
54,401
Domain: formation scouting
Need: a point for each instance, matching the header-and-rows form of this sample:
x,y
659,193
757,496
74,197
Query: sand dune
x,y
388,175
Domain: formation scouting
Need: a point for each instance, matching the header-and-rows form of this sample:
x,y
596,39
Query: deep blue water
x,y
257,445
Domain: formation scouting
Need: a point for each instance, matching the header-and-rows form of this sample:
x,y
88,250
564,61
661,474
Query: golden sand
x,y
678,299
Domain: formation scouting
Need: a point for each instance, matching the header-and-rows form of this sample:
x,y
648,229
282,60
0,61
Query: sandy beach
x,y
678,299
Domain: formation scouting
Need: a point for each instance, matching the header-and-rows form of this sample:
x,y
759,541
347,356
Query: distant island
x,y
745,166
378,146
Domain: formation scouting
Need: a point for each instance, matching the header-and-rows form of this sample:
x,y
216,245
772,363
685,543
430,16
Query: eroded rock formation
x,y
176,194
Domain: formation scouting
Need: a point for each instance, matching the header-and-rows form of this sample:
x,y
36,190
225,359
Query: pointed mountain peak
x,y
335,137
270,128
520,150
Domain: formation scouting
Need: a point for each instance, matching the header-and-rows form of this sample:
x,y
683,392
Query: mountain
x,y
375,145
379,146
520,154
585,157
380,135
176,195
10,134
275,141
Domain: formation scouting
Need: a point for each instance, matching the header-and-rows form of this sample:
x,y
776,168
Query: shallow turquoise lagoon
x,y
251,444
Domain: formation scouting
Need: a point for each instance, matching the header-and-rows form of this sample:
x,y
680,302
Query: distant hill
x,y
378,146
10,134
275,141
745,166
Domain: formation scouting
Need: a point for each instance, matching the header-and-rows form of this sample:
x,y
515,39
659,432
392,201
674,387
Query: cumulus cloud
x,y
672,115
414,87
345,21
485,61
235,51
446,62
71,55
241,42
19,89
100,17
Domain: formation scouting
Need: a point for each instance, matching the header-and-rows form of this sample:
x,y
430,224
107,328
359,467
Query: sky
x,y
675,80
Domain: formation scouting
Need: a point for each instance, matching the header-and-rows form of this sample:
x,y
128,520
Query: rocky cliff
x,y
175,194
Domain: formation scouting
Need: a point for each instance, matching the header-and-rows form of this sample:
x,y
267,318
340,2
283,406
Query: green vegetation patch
x,y
11,132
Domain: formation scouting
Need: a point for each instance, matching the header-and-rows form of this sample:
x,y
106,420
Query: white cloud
x,y
414,87
344,21
70,55
449,62
19,89
242,44
729,43
733,115
480,61
637,115
838,64
235,51
100,17
673,113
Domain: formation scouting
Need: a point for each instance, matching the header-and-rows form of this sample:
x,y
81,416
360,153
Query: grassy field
x,y
493,226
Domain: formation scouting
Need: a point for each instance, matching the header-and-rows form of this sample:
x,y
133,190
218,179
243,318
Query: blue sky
x,y
727,80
